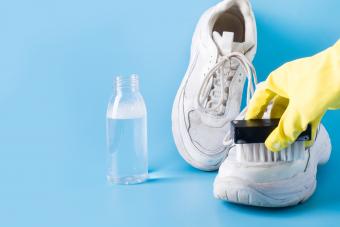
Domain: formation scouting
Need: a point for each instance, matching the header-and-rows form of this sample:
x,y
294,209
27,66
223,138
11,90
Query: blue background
x,y
57,62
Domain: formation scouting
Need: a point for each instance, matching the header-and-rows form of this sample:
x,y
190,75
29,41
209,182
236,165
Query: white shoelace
x,y
218,73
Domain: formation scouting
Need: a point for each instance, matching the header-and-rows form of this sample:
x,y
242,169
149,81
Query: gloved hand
x,y
301,92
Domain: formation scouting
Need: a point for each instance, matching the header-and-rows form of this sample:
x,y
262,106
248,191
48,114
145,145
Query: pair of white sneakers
x,y
209,98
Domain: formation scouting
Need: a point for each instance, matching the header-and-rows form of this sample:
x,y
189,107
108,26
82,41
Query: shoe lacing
x,y
213,98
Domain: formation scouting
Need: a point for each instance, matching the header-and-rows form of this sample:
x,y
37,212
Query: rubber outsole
x,y
242,192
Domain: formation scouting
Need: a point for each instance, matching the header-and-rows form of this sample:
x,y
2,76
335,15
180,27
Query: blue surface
x,y
57,61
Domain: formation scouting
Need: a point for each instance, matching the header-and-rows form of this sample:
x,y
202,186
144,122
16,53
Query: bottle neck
x,y
127,84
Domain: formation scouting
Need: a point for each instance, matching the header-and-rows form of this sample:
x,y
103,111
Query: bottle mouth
x,y
131,82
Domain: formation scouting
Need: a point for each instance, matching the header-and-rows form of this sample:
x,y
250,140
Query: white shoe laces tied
x,y
218,73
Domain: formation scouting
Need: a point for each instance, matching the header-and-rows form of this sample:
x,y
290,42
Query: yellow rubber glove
x,y
301,92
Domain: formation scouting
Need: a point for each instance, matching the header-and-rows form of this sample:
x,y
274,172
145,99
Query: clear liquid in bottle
x,y
127,134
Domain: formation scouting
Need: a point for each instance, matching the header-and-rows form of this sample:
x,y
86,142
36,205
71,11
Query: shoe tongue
x,y
226,44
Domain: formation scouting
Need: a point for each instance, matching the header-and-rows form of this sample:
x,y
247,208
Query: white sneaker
x,y
252,175
209,97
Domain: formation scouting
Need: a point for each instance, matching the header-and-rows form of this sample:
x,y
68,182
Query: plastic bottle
x,y
126,130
